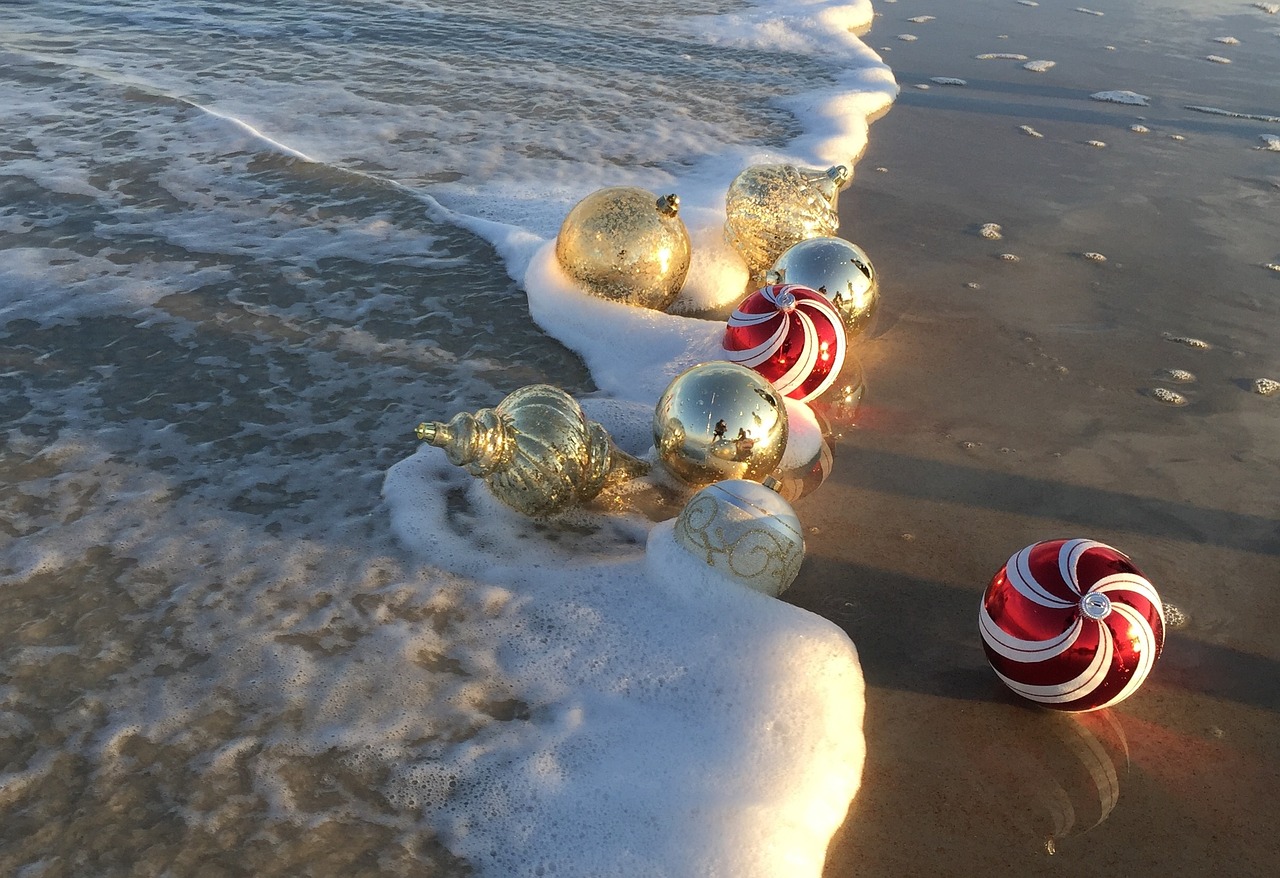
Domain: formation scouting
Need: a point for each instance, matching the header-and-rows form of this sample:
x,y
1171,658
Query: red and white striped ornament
x,y
791,335
1071,624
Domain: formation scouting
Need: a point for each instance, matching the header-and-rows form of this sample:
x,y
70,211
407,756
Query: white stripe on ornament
x,y
744,318
763,351
1123,582
803,365
1069,557
1077,688
1024,651
1145,641
1018,570
838,364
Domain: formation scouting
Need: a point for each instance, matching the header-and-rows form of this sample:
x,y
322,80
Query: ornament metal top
x,y
839,270
536,450
627,245
770,207
719,420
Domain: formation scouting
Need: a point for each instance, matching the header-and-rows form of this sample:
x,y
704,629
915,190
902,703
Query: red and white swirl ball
x,y
791,335
1071,624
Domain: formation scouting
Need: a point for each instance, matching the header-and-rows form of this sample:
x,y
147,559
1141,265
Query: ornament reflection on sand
x,y
1052,776
1071,624
535,450
746,532
627,245
840,271
770,207
719,420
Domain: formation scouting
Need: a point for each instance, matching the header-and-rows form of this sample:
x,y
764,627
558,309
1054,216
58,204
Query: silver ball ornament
x,y
719,420
838,269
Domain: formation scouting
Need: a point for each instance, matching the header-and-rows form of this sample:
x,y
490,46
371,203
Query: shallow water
x,y
235,277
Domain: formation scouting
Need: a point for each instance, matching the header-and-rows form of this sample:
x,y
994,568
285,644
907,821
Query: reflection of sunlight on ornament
x,y
718,420
838,269
627,245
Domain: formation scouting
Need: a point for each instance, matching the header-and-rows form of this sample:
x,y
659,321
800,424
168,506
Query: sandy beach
x,y
1017,390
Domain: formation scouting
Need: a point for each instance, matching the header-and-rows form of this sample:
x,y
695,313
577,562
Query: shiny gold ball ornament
x,y
627,245
535,450
838,269
744,531
719,420
770,207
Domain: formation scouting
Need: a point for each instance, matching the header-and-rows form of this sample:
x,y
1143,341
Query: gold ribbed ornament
x,y
770,207
536,450
627,245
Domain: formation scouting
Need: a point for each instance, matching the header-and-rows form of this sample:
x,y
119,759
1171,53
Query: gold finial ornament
x,y
627,245
770,207
536,450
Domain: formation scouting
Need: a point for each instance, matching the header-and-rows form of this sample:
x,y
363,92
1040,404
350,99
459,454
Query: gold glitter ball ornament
x,y
627,245
719,420
838,269
770,207
535,450
744,531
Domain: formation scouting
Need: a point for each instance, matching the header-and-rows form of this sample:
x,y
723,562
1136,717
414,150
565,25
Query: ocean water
x,y
247,625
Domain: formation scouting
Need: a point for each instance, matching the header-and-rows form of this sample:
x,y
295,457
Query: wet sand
x,y
1010,401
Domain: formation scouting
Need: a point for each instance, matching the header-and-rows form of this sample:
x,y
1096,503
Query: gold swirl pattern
x,y
745,531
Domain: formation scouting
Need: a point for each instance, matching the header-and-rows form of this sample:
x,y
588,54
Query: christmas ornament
x,y
791,335
1071,624
717,421
837,269
536,450
746,532
770,207
797,481
627,245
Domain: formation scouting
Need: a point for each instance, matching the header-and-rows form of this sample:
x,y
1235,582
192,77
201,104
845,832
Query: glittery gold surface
x,y
536,450
746,532
627,245
719,420
838,269
770,207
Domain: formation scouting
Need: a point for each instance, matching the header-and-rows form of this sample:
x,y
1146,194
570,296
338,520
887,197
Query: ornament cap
x,y
669,205
1096,605
840,175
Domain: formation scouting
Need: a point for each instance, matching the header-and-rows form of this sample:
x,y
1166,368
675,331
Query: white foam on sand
x,y
1122,96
